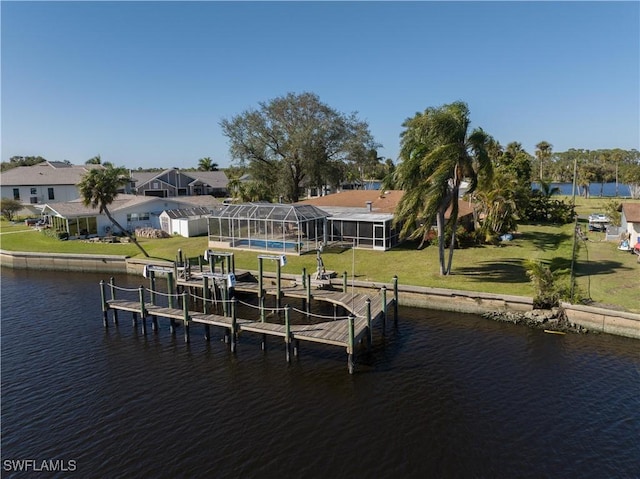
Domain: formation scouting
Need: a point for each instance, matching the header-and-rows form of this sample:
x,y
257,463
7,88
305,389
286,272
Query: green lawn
x,y
604,274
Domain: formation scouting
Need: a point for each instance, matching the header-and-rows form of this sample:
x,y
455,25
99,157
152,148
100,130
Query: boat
x,y
598,222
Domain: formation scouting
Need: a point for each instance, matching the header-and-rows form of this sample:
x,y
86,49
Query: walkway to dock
x,y
346,331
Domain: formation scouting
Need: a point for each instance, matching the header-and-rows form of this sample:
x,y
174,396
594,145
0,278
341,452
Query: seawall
x,y
594,319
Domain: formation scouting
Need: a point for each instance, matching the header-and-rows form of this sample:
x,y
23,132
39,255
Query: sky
x,y
146,84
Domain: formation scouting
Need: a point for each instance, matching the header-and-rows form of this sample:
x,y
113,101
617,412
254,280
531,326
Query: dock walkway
x,y
364,313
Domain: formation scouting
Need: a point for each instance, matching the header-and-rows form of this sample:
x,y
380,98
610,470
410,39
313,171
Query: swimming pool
x,y
268,244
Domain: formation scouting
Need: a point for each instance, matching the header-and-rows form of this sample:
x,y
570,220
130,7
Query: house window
x,y
138,217
34,191
16,194
51,195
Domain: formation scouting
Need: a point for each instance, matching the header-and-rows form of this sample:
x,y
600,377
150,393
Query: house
x,y
130,211
46,182
630,222
174,182
361,218
364,218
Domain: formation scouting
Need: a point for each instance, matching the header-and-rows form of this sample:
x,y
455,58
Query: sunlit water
x,y
444,395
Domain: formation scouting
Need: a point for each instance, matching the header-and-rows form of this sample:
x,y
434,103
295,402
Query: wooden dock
x,y
363,312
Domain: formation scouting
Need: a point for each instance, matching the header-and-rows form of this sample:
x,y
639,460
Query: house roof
x,y
204,201
75,208
45,173
631,212
381,202
215,179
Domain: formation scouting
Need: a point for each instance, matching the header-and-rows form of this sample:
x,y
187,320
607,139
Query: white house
x,y
46,182
129,211
630,222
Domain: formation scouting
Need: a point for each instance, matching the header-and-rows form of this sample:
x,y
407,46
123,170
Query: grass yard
x,y
604,274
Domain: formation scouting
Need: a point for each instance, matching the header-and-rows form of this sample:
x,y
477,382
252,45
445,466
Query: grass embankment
x,y
604,274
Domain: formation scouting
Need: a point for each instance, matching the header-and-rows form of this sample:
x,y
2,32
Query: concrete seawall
x,y
83,263
595,319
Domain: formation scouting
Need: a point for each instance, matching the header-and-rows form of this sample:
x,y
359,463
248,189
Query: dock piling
x,y
287,332
384,309
205,305
351,349
234,325
185,308
112,284
170,287
369,329
143,313
105,306
395,301
152,286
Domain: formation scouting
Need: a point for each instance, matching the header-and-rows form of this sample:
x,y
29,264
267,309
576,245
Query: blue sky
x,y
145,84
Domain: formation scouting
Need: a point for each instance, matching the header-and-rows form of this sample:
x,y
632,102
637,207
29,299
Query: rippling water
x,y
444,395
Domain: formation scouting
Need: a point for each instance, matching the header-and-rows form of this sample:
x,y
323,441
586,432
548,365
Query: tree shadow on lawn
x,y
592,268
506,271
515,271
543,240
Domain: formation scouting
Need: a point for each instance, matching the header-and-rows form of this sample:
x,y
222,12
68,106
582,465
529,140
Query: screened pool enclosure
x,y
273,227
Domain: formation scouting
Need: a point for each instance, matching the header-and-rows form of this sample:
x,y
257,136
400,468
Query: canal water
x,y
444,395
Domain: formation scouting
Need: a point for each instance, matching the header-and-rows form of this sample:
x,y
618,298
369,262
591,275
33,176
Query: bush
x,y
541,209
60,235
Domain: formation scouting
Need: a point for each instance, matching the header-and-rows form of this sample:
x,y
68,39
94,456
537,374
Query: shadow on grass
x,y
515,271
544,240
592,268
507,271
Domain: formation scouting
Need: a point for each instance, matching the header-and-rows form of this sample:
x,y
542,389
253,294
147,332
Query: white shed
x,y
630,222
187,222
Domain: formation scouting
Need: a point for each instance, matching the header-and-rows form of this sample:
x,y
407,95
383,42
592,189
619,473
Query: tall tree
x,y
437,153
295,141
99,187
207,164
543,154
96,160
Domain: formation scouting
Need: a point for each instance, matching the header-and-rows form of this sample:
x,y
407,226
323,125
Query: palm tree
x,y
437,153
543,153
497,205
99,187
96,160
207,164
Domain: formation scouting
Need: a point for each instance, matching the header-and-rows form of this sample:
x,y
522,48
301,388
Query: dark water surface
x,y
445,395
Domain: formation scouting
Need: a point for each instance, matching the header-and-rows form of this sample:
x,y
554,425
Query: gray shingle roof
x,y
46,173
215,179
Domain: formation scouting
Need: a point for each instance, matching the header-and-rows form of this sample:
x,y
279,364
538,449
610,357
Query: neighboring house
x,y
46,182
130,211
364,218
174,182
186,222
630,221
